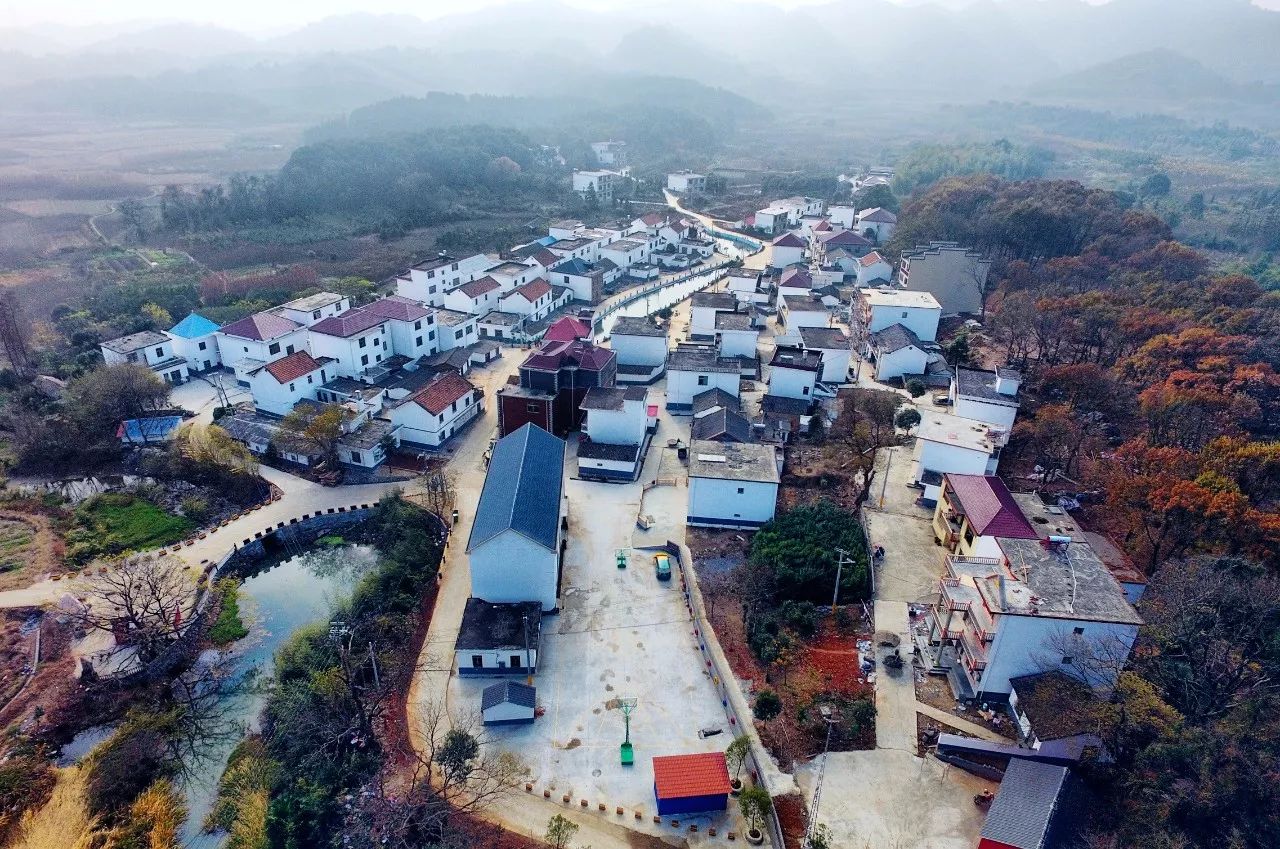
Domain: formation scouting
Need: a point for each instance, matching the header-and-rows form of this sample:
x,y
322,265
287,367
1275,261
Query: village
x,y
617,404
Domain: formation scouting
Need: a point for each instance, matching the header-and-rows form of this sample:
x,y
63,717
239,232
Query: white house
x,y
988,396
831,240
949,444
511,274
595,184
150,349
896,351
533,300
625,253
476,297
515,542
793,373
641,348
842,216
736,336
873,270
565,228
498,639
610,152
357,340
427,281
411,325
919,312
616,432
434,413
585,279
195,340
687,182
732,484
787,249
956,276
307,311
279,385
745,285
704,307
803,311
795,281
834,346
876,223
1038,606
773,218
255,340
690,373
457,329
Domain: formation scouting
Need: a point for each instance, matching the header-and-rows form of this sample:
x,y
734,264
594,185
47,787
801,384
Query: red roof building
x,y
567,329
439,394
686,784
292,367
261,327
973,511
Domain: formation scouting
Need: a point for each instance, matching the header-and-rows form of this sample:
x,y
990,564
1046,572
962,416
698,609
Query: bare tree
x,y
145,601
15,337
1093,659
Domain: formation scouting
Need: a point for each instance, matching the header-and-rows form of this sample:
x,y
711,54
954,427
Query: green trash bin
x,y
628,754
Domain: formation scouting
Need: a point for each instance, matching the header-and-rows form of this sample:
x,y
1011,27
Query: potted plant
x,y
735,756
755,805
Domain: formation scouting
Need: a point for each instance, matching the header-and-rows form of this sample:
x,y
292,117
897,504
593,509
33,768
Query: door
x,y
516,661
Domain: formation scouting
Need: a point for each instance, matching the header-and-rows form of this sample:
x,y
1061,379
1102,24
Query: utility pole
x,y
843,558
528,667
830,718
885,483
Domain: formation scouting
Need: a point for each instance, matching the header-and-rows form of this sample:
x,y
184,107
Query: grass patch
x,y
115,523
228,628
332,541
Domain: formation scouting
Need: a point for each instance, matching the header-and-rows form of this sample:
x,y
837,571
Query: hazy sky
x,y
262,15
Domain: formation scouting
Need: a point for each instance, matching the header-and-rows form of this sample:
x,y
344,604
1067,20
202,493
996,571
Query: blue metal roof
x,y
193,327
547,240
148,430
508,691
522,489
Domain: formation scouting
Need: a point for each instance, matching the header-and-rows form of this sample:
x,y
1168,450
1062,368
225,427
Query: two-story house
x,y
973,511
195,340
434,413
253,341
150,349
554,380
357,341
412,326
279,385
616,432
988,396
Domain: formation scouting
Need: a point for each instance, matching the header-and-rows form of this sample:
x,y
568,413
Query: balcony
x,y
975,653
953,595
940,618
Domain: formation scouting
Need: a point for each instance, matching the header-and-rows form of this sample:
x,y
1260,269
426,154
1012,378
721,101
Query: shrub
x,y
907,418
196,509
916,387
755,804
799,545
228,627
800,616
137,755
767,705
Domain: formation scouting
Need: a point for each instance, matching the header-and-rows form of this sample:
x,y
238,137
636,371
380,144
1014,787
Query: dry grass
x,y
64,822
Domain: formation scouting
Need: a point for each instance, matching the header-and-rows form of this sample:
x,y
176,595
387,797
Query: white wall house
x,y
873,270
195,340
277,386
150,349
988,396
687,182
427,281
896,352
842,216
919,312
950,444
511,274
412,326
803,311
457,329
955,275
793,373
1035,607
476,297
434,413
641,348
261,338
703,309
307,311
585,279
690,373
785,250
498,639
357,340
514,547
735,335
610,152
532,301
616,431
876,223
834,346
745,285
732,485
597,184
625,253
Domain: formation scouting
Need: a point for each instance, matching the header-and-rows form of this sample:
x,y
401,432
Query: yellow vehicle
x,y
662,567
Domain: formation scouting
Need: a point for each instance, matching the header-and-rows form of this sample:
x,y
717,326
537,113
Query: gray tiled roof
x,y
486,625
627,325
705,361
522,489
135,341
895,337
981,385
508,691
723,423
1023,810
716,397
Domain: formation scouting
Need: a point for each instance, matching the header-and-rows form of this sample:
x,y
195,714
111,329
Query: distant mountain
x,y
356,32
180,38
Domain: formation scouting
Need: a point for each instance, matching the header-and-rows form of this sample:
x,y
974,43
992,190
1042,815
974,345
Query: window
x,y
431,291
290,387
458,334
417,342
316,314
431,334
516,662
1066,661
904,313
273,348
159,352
430,274
246,349
322,377
417,325
477,661
804,390
1078,631
741,490
531,408
289,349
454,407
356,458
968,534
310,380
377,343
702,380
364,360
378,358
440,418
203,345
363,341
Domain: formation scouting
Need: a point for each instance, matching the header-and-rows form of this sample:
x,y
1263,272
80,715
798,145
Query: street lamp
x,y
830,717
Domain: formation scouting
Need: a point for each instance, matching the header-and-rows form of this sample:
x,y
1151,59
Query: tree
x,y
560,830
136,220
907,418
916,387
799,546
101,399
755,805
457,754
877,195
767,706
1157,185
320,431
958,350
1054,438
15,335
737,753
145,599
157,316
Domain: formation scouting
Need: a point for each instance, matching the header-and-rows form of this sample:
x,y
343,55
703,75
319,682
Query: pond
x,y
275,601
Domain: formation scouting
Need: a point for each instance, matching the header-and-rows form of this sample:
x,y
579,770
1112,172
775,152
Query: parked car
x,y
662,567
942,399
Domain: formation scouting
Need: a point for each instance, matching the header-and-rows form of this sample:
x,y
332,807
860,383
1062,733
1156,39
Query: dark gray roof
x,y
604,398
981,386
748,461
895,337
784,406
1023,810
721,424
512,692
793,358
706,361
714,398
522,489
733,321
628,325
135,341
716,300
589,450
486,625
824,337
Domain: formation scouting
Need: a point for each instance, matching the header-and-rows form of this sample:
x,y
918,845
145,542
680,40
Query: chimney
x,y
1008,380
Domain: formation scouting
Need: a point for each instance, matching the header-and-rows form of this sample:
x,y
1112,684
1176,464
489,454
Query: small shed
x,y
508,703
690,784
1029,811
